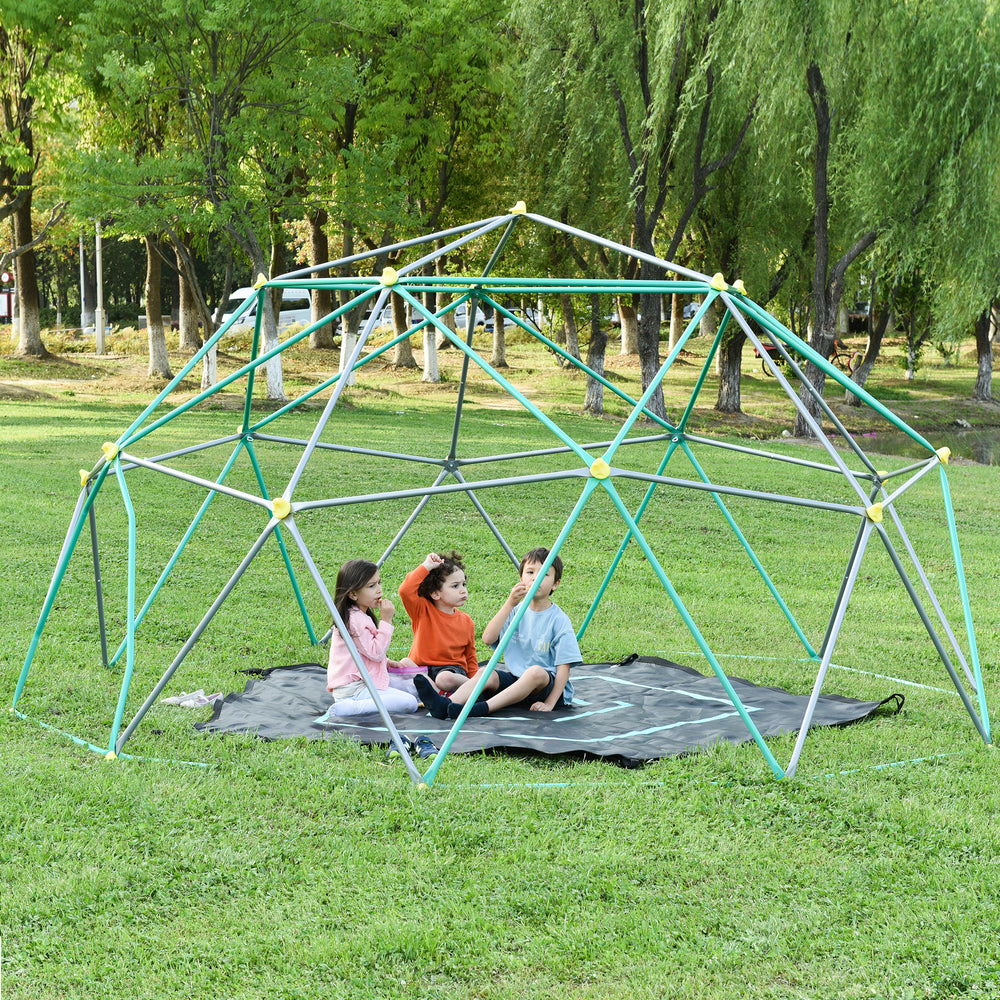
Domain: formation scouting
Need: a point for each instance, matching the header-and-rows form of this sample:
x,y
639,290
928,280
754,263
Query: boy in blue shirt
x,y
537,658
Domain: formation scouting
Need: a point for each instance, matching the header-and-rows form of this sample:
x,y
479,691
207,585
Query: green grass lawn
x,y
313,868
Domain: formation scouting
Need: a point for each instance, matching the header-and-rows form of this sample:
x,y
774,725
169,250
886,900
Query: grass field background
x,y
307,868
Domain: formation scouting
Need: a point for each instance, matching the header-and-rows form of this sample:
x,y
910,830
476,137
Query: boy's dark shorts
x,y
432,672
505,678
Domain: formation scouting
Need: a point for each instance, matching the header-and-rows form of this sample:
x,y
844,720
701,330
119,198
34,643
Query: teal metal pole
x,y
284,550
484,673
130,608
500,380
624,543
651,389
83,506
695,632
748,548
966,608
148,603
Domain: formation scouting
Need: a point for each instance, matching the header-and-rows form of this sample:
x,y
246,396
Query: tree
x,y
31,37
644,75
878,97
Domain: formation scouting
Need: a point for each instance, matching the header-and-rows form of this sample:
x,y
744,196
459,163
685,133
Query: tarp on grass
x,y
629,713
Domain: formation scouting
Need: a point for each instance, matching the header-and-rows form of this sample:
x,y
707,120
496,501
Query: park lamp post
x,y
99,308
83,290
99,278
8,297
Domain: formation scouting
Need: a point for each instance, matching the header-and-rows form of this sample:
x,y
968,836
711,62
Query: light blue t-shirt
x,y
545,638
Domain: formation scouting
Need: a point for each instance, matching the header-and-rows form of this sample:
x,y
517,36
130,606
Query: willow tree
x,y
931,139
867,111
632,86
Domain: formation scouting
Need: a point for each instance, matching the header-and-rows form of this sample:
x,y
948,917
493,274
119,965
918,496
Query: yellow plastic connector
x,y
519,209
740,287
261,280
281,507
874,513
944,454
389,277
84,476
600,469
718,282
111,755
110,450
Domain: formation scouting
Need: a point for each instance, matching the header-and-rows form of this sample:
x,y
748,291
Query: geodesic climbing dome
x,y
285,494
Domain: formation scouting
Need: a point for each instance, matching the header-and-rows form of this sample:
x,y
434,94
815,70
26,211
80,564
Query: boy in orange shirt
x,y
444,637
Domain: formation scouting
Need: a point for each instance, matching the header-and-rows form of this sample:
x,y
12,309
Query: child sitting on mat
x,y
444,637
357,594
538,657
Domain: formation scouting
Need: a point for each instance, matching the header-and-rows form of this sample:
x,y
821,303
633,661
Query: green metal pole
x,y
695,632
130,608
484,673
966,608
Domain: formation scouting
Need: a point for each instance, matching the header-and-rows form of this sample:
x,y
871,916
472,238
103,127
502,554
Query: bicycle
x,y
845,359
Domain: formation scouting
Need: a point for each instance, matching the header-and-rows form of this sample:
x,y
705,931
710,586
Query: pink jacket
x,y
372,643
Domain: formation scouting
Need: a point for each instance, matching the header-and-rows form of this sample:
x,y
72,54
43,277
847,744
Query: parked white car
x,y
295,308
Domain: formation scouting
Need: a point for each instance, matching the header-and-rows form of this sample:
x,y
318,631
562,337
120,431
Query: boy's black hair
x,y
353,575
435,578
539,556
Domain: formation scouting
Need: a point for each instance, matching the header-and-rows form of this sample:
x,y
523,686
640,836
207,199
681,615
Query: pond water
x,y
980,445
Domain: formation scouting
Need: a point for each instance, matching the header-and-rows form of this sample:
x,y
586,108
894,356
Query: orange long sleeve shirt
x,y
439,639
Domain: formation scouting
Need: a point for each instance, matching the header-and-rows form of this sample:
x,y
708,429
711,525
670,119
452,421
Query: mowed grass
x,y
312,868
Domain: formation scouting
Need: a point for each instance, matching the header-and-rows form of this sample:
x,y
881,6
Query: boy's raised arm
x,y
491,634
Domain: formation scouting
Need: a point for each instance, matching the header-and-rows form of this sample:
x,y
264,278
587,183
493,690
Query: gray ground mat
x,y
628,713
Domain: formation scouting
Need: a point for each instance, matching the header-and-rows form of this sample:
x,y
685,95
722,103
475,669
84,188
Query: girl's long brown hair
x,y
353,575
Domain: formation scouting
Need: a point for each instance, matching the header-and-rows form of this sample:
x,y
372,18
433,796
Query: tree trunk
x,y
402,356
872,349
187,310
676,320
159,360
278,264
629,327
431,370
594,399
498,359
273,379
983,389
729,361
827,282
322,300
441,300
572,338
649,341
29,341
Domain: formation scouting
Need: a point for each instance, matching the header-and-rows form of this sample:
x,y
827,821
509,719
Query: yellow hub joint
x,y
600,469
874,513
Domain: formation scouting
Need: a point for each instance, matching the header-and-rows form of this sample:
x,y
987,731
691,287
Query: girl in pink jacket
x,y
358,593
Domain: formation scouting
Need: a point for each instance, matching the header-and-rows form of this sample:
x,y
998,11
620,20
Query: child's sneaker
x,y
393,752
424,747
